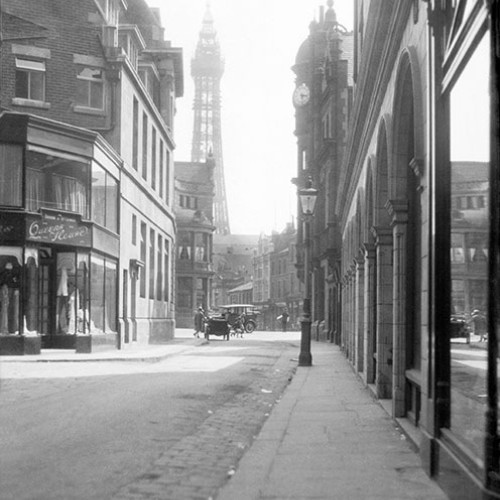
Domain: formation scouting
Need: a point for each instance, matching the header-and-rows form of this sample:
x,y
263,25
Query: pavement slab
x,y
328,439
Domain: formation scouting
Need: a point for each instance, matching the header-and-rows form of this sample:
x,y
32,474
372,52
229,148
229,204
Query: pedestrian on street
x,y
199,319
284,320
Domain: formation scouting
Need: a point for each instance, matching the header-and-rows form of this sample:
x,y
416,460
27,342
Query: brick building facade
x,y
88,93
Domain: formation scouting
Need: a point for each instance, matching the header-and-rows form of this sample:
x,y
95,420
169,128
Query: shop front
x,y
58,264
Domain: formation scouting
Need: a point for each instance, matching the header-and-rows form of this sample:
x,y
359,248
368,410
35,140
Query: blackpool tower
x,y
207,67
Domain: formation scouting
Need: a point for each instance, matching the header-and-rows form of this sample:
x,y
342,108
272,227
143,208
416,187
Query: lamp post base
x,y
305,357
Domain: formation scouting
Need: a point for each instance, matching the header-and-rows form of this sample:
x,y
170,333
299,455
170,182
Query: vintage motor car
x,y
247,312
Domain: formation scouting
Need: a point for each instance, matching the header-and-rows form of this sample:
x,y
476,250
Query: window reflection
x,y
469,154
104,198
56,183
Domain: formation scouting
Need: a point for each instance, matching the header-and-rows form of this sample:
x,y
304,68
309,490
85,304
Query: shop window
x,y
30,79
469,157
90,88
56,183
110,304
10,283
82,304
103,306
11,161
104,198
72,294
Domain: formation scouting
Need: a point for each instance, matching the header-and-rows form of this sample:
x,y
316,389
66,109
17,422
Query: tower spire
x,y
207,67
208,19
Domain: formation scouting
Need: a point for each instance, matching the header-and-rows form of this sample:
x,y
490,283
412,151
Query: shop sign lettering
x,y
6,229
56,231
12,229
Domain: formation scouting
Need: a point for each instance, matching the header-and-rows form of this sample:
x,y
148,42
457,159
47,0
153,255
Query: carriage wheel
x,y
250,327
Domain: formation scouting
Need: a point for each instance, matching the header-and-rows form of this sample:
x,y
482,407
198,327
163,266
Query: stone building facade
x,y
194,197
415,239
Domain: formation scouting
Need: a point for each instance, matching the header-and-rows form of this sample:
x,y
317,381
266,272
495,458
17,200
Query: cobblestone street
x,y
168,428
198,465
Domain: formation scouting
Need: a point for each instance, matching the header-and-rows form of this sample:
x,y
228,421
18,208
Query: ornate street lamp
x,y
307,197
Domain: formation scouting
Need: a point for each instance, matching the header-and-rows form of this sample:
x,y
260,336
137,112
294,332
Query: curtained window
x,y
11,159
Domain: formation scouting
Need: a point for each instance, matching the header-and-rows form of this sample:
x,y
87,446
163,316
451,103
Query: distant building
x,y
194,195
242,294
469,236
88,90
276,285
286,288
324,66
262,270
233,263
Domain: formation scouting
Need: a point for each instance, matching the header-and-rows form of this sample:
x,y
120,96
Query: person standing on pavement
x,y
284,320
199,319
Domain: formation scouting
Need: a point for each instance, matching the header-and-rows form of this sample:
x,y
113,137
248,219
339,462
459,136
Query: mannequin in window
x,y
9,296
62,301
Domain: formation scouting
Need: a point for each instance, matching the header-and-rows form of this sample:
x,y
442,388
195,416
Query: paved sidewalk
x,y
183,341
329,439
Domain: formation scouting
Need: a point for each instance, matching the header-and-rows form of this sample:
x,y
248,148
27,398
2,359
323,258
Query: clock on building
x,y
301,95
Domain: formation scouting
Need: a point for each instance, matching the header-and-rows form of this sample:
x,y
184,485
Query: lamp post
x,y
307,198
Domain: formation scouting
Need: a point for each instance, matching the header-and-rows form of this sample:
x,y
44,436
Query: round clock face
x,y
301,95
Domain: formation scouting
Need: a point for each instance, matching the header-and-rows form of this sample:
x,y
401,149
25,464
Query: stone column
x,y
359,328
352,315
384,311
369,312
398,209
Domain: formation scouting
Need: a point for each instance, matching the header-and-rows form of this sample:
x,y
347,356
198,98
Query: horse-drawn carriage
x,y
217,326
235,318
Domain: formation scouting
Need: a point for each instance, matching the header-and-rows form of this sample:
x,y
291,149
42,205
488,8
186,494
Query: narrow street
x,y
175,428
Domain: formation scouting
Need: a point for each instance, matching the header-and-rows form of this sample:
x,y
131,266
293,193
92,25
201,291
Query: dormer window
x,y
132,43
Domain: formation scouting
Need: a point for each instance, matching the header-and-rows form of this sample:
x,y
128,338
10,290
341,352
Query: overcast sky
x,y
259,40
